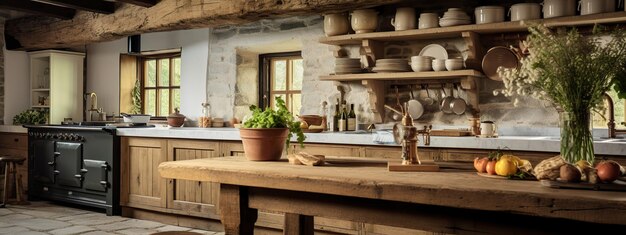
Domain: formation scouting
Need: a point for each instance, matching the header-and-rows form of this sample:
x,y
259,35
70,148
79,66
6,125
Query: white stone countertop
x,y
521,143
13,129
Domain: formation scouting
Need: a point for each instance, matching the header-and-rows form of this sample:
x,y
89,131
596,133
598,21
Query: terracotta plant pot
x,y
263,144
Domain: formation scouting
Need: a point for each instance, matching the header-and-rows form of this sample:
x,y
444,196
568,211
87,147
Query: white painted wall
x,y
16,87
103,67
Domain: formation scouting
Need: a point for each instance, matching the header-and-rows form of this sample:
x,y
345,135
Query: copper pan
x,y
500,56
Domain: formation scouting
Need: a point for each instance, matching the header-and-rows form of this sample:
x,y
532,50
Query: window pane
x,y
164,102
150,102
279,75
296,74
296,104
274,101
175,98
150,73
176,72
164,72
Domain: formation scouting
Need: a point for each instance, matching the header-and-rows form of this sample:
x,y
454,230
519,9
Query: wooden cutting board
x,y
450,132
617,185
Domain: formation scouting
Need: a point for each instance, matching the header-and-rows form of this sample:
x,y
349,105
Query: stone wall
x,y
233,75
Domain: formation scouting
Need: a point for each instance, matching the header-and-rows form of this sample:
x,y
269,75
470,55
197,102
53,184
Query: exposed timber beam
x,y
86,28
143,3
38,8
98,6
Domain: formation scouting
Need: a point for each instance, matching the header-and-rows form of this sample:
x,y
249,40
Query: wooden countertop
x,y
368,178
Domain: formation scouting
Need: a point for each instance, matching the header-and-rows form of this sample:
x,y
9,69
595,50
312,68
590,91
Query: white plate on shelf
x,y
434,50
389,70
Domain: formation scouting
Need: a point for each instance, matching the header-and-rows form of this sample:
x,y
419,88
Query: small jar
x,y
205,119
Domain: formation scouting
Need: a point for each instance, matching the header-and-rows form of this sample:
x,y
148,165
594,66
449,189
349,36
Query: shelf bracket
x,y
338,51
470,85
376,91
475,50
374,49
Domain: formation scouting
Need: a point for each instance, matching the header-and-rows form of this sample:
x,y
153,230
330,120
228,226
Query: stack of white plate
x,y
454,16
391,65
347,66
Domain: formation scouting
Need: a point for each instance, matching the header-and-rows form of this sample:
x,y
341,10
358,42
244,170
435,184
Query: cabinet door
x,y
396,153
231,149
192,196
142,185
329,150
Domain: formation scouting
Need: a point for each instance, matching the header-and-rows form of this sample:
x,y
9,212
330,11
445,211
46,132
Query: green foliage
x,y
30,116
280,118
136,95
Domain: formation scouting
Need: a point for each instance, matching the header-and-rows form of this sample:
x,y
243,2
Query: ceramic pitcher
x,y
364,20
405,19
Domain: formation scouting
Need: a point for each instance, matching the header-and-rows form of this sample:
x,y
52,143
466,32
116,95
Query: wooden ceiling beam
x,y
33,33
143,3
98,6
38,8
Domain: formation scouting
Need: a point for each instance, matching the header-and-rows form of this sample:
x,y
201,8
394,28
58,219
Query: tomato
x,y
481,164
491,167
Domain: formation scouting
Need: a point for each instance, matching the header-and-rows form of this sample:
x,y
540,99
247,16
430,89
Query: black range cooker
x,y
75,164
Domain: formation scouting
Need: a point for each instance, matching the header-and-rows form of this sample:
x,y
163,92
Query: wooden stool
x,y
10,167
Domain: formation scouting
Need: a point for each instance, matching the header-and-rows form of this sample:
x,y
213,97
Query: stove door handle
x,y
103,177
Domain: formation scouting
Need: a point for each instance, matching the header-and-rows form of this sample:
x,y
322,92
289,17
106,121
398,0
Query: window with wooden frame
x,y
160,86
281,74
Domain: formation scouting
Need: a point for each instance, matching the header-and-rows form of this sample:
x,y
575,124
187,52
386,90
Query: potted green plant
x,y
266,133
572,71
30,117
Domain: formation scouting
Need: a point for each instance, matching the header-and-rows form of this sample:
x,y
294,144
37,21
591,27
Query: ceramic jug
x,y
404,19
364,20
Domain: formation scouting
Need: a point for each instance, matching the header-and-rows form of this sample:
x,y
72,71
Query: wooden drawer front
x,y
396,153
463,155
13,140
329,150
140,159
187,195
231,149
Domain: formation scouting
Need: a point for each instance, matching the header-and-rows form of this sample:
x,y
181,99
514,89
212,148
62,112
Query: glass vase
x,y
576,137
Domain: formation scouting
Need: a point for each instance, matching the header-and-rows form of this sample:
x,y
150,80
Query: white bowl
x,y
439,64
454,64
421,67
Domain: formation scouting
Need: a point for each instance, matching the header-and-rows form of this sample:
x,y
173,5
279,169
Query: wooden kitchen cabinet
x,y
142,185
15,144
193,196
231,148
329,149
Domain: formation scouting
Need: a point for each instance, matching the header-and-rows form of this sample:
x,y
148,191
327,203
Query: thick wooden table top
x,y
366,178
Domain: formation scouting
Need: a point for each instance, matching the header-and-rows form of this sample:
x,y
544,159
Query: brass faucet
x,y
611,124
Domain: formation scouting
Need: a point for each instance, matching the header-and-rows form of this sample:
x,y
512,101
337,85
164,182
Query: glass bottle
x,y
351,119
335,126
205,119
343,118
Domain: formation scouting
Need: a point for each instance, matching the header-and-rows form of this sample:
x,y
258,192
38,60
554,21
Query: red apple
x,y
608,171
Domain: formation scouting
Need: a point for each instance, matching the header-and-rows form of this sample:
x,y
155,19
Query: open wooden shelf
x,y
431,75
40,89
456,31
40,106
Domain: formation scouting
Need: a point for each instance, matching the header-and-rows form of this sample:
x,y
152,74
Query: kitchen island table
x,y
451,201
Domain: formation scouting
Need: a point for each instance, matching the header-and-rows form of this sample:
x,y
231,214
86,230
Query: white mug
x,y
488,129
428,20
557,8
404,19
588,7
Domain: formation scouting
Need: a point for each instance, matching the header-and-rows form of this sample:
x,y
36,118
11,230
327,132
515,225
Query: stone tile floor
x,y
41,217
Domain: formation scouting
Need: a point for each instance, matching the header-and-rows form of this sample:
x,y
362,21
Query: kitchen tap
x,y
611,124
93,107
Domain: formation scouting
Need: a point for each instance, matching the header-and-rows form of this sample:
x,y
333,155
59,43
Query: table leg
x,y
236,216
296,224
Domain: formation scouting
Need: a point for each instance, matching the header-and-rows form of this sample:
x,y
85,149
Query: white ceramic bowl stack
x,y
489,14
439,64
347,66
421,63
454,16
391,65
454,64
